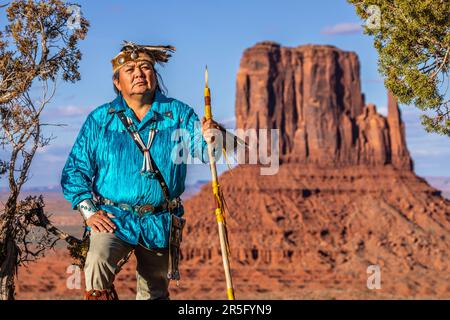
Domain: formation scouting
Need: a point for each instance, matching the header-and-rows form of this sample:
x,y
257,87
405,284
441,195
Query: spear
x,y
218,196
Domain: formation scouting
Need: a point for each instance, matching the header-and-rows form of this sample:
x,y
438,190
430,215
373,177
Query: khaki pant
x,y
106,250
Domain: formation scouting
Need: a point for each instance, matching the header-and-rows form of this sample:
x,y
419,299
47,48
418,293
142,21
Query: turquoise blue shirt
x,y
106,161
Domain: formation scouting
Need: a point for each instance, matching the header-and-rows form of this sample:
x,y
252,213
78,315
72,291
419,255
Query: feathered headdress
x,y
134,52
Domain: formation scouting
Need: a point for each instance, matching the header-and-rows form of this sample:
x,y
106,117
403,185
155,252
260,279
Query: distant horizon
x,y
57,188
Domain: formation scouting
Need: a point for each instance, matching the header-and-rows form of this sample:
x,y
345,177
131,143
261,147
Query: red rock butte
x,y
312,94
345,197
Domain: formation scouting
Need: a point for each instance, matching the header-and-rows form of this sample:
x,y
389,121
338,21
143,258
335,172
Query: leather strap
x,y
156,171
175,238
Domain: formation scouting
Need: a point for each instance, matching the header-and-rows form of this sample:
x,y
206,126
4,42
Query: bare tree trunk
x,y
8,262
8,248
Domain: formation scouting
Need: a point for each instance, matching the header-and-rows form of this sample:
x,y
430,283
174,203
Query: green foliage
x,y
413,42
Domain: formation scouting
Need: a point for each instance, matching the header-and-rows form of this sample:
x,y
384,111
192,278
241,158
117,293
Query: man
x,y
121,175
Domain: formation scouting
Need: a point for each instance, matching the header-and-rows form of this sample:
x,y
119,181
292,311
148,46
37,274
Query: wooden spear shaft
x,y
217,196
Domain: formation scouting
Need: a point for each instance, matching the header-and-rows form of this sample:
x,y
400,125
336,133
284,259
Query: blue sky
x,y
214,33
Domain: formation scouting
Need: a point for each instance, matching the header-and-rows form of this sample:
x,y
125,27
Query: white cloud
x,y
54,159
70,111
429,152
55,150
383,110
228,123
342,28
374,80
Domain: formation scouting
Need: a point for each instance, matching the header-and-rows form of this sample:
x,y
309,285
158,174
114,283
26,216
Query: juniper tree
x,y
38,46
413,42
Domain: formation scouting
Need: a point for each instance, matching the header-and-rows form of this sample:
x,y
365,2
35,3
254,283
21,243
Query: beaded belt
x,y
143,209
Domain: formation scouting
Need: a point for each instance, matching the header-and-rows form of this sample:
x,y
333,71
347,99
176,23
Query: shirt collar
x,y
119,104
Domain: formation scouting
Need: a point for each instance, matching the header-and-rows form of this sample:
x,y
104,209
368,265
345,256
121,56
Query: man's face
x,y
136,78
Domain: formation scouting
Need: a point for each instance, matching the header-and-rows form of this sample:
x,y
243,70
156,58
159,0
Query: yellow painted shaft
x,y
219,210
208,114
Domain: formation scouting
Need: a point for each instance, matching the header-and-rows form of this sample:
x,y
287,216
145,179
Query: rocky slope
x,y
345,197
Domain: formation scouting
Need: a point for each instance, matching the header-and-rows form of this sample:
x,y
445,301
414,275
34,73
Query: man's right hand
x,y
101,222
